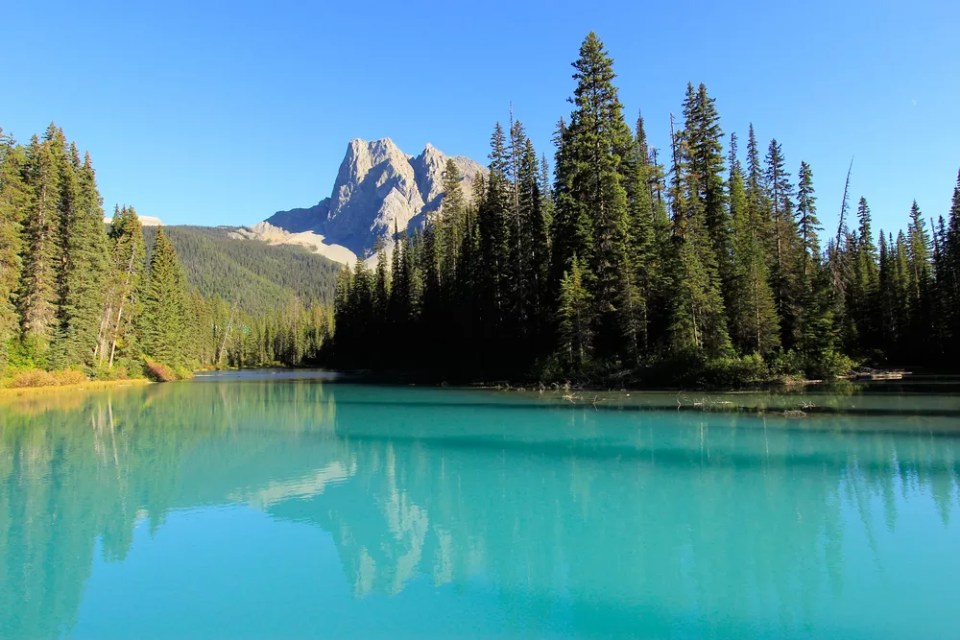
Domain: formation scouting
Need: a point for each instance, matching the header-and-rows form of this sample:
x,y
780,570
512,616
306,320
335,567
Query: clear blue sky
x,y
224,112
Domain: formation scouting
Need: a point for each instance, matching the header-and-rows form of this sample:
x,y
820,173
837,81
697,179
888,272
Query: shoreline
x,y
89,385
584,384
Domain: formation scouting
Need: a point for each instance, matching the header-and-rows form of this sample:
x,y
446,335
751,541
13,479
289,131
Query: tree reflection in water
x,y
616,512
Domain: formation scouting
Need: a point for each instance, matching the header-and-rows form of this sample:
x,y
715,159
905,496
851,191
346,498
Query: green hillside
x,y
259,276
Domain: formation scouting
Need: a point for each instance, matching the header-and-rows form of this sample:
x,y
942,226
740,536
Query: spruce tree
x,y
531,256
783,240
432,303
920,283
37,298
15,196
534,198
521,176
591,196
571,232
952,242
754,325
660,295
644,257
807,221
703,161
467,288
576,336
862,294
814,326
919,257
698,324
85,267
453,226
941,335
886,294
494,251
902,290
757,200
163,321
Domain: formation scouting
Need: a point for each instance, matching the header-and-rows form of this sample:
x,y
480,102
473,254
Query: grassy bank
x,y
33,377
85,385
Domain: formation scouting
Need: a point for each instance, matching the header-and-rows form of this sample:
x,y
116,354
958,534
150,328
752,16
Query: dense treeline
x,y
703,267
76,293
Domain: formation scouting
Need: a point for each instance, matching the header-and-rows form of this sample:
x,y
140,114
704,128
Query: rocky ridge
x,y
378,189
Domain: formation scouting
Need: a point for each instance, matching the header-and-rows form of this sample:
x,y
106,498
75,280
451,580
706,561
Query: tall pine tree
x,y
84,267
754,323
15,198
592,210
698,323
163,321
37,299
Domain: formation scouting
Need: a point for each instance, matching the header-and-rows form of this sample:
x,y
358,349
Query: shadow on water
x,y
691,522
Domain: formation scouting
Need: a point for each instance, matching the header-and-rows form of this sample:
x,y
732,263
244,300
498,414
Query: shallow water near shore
x,y
275,505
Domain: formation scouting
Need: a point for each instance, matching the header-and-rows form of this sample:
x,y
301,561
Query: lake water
x,y
272,506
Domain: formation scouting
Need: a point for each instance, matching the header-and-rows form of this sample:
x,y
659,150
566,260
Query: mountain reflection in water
x,y
681,522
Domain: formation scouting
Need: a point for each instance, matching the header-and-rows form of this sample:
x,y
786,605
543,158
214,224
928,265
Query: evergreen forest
x,y
700,265
117,300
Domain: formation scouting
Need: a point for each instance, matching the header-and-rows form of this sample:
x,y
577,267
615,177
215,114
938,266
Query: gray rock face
x,y
378,188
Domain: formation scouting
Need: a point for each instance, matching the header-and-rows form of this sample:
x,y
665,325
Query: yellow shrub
x,y
33,378
68,376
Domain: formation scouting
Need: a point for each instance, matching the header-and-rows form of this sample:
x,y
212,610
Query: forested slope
x,y
256,276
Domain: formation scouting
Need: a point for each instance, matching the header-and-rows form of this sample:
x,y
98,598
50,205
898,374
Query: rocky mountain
x,y
379,188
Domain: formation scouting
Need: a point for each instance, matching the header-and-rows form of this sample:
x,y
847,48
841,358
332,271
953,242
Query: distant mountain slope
x,y
378,189
254,274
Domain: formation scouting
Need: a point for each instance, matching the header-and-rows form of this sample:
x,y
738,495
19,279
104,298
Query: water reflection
x,y
620,515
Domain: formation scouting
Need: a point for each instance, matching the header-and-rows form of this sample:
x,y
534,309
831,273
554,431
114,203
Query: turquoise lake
x,y
242,506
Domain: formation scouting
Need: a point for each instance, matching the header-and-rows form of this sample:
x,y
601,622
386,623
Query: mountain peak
x,y
362,155
379,142
378,188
